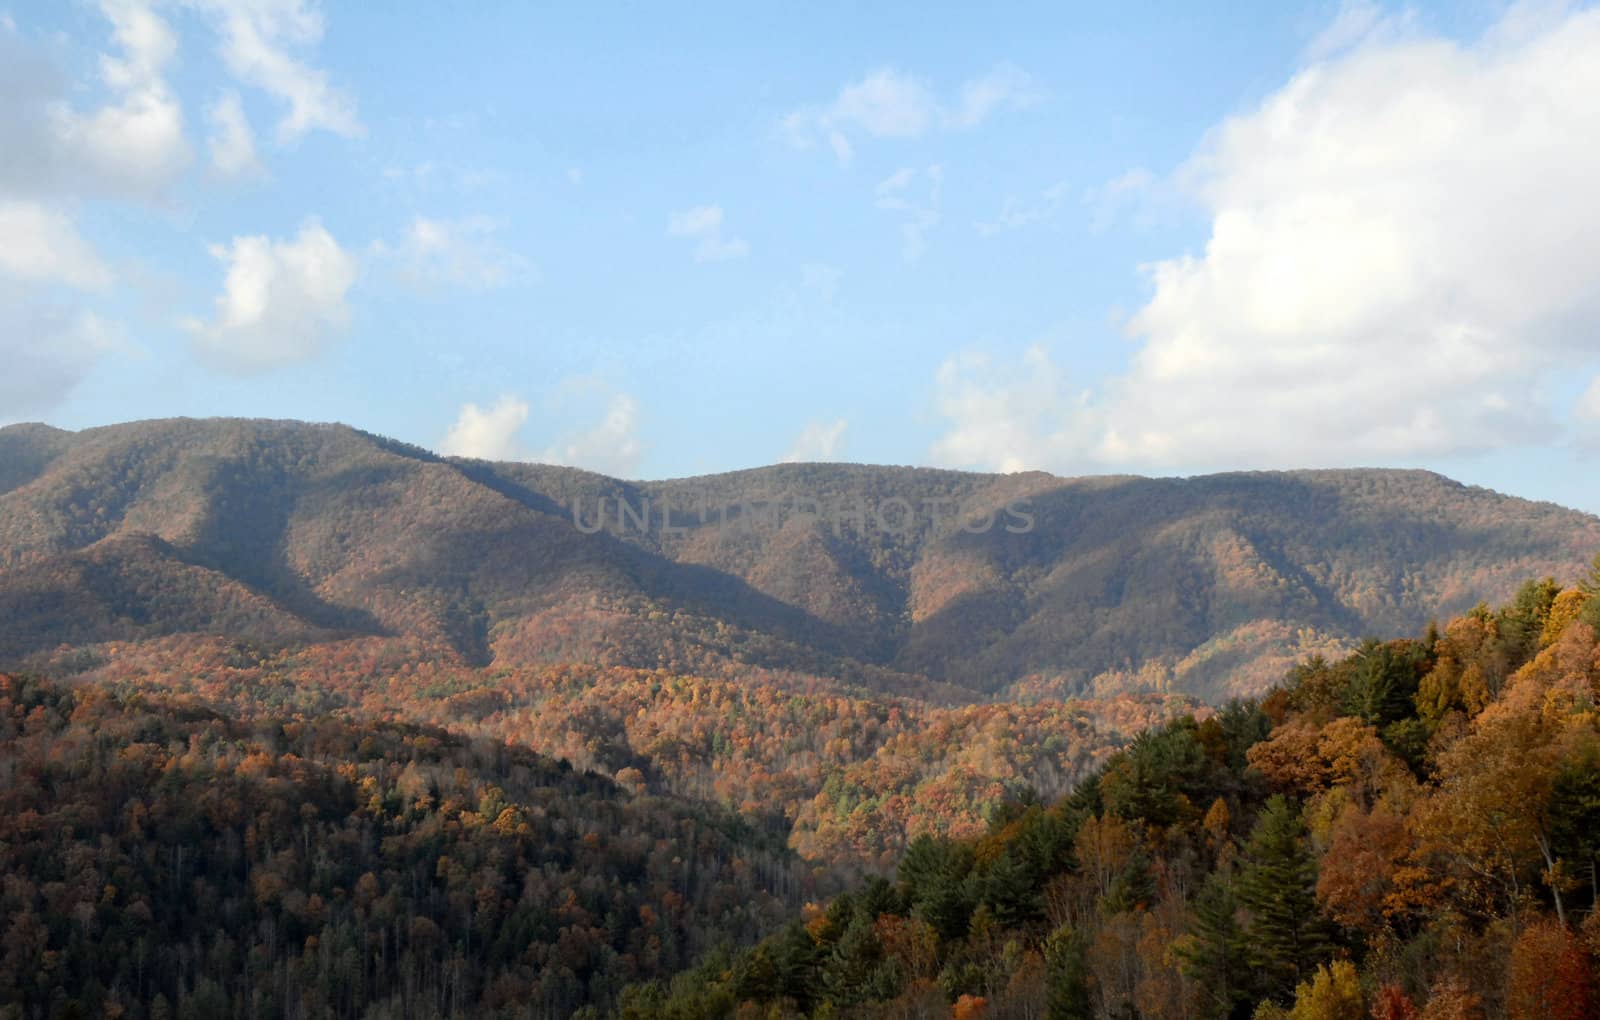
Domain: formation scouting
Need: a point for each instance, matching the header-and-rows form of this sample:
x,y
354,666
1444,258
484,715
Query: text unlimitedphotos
x,y
892,516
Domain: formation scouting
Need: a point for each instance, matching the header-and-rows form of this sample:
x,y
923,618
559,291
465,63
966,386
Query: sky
x,y
662,241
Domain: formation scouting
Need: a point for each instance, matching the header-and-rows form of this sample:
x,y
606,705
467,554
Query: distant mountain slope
x,y
283,531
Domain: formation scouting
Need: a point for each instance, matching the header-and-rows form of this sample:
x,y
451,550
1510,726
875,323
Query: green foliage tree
x,y
1382,679
1286,934
1067,975
1215,955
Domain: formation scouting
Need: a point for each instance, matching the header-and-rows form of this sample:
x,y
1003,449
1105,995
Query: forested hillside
x,y
1411,831
159,860
846,778
941,585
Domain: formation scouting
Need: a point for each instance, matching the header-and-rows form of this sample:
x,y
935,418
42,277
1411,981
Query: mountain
x,y
285,533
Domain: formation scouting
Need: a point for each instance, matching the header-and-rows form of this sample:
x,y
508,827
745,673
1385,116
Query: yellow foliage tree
x,y
1333,994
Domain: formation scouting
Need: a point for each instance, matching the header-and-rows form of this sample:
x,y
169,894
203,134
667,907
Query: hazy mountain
x,y
283,532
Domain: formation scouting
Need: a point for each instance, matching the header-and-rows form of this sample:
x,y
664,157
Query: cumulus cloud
x,y
487,434
703,225
1587,409
257,42
47,350
1010,418
915,197
1400,263
31,91
610,446
283,301
41,245
818,441
1358,22
889,103
460,253
232,142
1401,250
137,140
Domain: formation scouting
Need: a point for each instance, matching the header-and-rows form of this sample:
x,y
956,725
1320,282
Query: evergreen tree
x,y
1383,680
1590,585
1573,817
1134,886
1215,956
1067,970
1286,936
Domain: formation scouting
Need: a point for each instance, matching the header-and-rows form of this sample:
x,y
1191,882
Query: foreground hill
x,y
289,534
160,860
1409,833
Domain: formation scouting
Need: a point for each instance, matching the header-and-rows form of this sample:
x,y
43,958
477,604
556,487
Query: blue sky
x,y
663,242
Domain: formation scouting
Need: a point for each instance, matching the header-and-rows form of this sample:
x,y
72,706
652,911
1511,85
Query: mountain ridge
x,y
1205,584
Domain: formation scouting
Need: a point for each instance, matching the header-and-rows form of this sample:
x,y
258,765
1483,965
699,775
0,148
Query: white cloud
x,y
232,143
459,253
47,351
1401,250
1012,420
818,441
703,224
1401,264
41,245
889,103
282,302
1016,214
487,435
1358,21
919,214
611,446
1004,87
256,40
1587,410
137,141
1109,200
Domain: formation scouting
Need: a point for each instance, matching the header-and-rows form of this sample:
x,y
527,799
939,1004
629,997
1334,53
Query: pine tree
x,y
1215,955
1590,585
1067,970
1286,935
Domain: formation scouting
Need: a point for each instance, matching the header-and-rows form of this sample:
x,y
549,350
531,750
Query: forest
x,y
160,860
1409,831
1412,831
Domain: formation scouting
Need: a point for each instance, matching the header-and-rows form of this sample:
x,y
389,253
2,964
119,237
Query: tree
x,y
1549,975
1574,816
1383,680
1522,622
1392,1003
1214,954
1067,974
1286,935
1566,608
1334,993
1590,585
1450,1000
